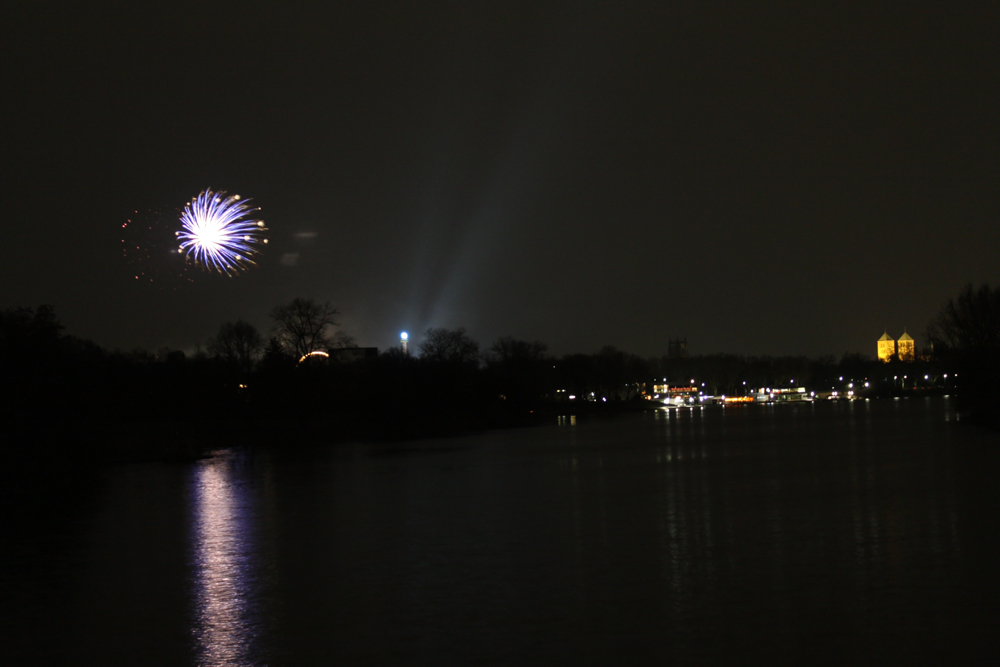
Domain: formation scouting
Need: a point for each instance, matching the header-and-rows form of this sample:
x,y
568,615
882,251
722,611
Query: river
x,y
830,534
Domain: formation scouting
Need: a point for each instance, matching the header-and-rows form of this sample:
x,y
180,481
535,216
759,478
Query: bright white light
x,y
217,234
404,336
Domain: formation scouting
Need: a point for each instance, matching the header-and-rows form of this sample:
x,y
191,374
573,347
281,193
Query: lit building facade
x,y
886,347
906,347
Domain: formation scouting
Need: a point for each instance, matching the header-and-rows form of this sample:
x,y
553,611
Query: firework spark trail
x,y
218,233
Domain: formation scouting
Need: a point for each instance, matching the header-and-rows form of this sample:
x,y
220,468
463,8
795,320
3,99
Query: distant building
x,y
677,349
886,347
906,347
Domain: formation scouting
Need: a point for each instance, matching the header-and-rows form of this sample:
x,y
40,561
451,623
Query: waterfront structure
x,y
886,347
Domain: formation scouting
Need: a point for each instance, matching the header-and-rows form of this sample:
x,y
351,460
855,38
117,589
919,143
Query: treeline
x,y
63,395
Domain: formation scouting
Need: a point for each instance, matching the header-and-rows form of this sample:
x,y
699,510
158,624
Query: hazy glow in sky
x,y
790,179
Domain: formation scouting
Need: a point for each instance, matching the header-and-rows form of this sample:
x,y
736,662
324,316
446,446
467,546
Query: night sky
x,y
760,178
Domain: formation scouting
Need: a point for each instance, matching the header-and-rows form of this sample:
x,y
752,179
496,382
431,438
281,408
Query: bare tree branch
x,y
304,326
449,345
239,343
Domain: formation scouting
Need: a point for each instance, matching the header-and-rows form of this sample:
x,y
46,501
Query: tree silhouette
x,y
239,344
305,326
508,351
521,369
449,346
26,330
31,343
969,325
966,335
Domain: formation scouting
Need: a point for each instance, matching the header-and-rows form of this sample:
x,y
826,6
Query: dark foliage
x,y
239,344
303,326
966,335
66,397
449,346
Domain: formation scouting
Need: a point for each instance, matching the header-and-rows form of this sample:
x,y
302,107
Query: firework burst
x,y
219,233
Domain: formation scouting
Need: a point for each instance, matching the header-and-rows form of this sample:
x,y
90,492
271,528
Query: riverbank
x,y
103,441
181,440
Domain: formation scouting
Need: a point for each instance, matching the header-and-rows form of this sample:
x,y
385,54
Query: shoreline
x,y
109,441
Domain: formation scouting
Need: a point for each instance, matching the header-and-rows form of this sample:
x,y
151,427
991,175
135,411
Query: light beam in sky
x,y
219,234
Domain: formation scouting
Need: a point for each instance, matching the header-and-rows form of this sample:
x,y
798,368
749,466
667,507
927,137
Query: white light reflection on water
x,y
226,622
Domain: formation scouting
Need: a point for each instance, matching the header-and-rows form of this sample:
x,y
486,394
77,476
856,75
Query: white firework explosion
x,y
219,232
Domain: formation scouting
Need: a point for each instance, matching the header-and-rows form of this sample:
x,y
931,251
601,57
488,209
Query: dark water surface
x,y
836,533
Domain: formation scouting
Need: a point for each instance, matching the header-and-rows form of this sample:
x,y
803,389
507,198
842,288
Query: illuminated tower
x,y
886,347
403,337
906,347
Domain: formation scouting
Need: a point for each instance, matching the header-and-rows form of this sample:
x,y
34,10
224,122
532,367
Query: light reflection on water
x,y
793,532
227,621
814,534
